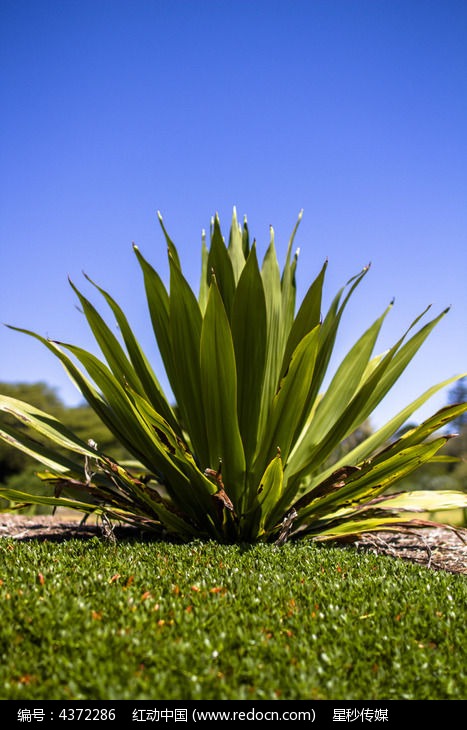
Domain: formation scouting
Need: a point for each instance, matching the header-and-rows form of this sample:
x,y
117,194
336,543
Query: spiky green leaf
x,y
249,340
219,395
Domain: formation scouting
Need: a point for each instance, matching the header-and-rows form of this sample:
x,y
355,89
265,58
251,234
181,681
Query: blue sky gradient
x,y
354,110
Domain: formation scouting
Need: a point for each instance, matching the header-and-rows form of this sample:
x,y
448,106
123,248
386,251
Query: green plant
x,y
245,454
183,620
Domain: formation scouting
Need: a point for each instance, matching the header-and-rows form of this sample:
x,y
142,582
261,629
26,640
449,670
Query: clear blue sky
x,y
354,110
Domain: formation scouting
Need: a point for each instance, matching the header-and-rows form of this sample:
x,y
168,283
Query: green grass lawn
x,y
89,620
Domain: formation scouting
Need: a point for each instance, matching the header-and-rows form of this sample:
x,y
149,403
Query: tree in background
x,y
17,469
449,469
12,461
458,394
457,447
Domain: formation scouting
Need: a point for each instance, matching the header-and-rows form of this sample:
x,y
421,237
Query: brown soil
x,y
437,548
